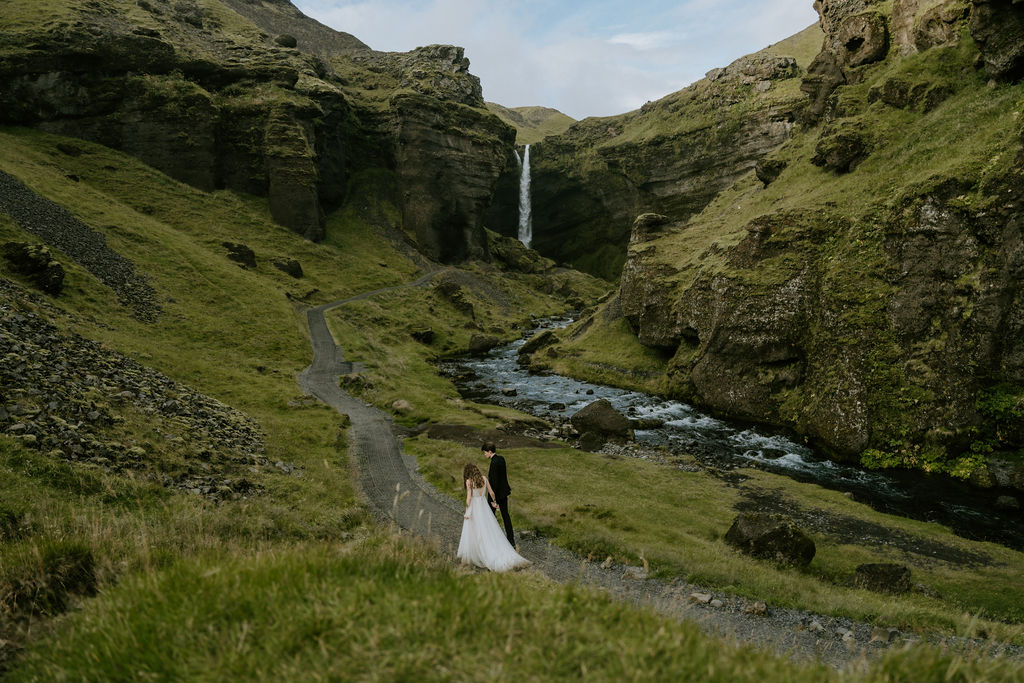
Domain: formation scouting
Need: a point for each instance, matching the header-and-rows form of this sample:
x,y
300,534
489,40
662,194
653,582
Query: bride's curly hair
x,y
472,473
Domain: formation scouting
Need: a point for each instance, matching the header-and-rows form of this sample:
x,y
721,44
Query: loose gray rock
x,y
56,226
48,372
881,634
759,608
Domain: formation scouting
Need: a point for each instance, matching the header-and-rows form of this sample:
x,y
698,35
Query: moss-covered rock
x,y
998,28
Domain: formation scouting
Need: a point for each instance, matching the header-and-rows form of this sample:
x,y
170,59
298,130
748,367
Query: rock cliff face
x,y
875,305
255,97
465,151
671,157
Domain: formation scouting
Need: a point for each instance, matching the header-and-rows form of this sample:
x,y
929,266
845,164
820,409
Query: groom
x,y
498,477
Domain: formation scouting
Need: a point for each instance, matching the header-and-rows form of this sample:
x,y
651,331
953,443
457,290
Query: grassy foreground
x,y
379,609
640,512
129,580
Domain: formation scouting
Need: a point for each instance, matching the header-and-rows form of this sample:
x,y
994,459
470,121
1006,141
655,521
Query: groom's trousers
x,y
503,506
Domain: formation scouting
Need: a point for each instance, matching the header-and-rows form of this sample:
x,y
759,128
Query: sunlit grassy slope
x,y
532,124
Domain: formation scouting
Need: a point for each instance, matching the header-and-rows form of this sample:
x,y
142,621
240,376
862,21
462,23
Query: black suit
x,y
498,477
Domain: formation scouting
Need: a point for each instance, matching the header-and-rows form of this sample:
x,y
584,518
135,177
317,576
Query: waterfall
x,y
525,219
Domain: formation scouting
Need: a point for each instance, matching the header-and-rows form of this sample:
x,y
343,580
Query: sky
x,y
583,58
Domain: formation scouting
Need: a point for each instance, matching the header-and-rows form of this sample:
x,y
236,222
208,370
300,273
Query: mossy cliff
x,y
862,284
671,156
251,95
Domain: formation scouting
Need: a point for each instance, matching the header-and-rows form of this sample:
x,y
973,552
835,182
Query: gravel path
x,y
397,493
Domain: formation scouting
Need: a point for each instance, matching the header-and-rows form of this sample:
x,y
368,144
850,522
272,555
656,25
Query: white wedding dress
x,y
483,543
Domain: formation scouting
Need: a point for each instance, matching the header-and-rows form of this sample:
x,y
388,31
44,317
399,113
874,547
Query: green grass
x,y
803,46
532,124
215,339
838,229
603,349
378,609
674,521
384,608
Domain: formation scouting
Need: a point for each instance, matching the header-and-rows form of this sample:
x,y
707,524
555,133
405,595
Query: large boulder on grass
x,y
771,537
240,254
288,265
882,577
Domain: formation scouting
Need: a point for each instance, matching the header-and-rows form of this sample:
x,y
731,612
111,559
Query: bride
x,y
483,543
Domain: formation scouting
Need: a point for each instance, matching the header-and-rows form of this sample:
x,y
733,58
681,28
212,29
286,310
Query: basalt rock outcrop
x,y
997,26
856,34
256,97
670,157
869,296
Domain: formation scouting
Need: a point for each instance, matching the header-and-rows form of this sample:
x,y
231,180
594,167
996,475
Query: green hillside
x,y
868,289
532,124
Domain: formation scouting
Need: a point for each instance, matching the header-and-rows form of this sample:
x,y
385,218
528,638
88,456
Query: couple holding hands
x,y
482,543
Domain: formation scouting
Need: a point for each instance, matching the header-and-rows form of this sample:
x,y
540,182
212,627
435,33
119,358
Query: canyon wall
x,y
863,286
255,97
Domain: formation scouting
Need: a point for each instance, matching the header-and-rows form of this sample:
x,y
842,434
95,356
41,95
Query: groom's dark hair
x,y
489,446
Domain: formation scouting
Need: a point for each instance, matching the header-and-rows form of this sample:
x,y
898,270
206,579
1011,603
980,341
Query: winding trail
x,y
396,493
385,479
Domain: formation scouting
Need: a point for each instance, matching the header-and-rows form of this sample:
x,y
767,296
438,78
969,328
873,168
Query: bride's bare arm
x,y
490,491
469,492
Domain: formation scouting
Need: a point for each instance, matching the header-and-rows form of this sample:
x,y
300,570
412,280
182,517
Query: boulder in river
x,y
537,342
480,344
602,420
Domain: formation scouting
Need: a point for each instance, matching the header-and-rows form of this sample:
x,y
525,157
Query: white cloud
x,y
594,58
644,41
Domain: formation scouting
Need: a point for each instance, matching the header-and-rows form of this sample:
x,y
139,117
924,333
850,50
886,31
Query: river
x,y
726,444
